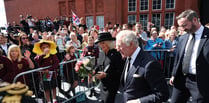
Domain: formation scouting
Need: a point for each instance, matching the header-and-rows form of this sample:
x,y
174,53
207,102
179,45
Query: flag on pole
x,y
75,19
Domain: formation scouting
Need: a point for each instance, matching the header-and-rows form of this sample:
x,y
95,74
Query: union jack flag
x,y
75,19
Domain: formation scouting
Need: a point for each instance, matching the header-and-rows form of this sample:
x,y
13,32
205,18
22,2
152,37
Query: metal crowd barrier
x,y
167,58
80,90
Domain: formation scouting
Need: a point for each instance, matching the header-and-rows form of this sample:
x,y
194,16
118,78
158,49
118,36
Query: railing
x,y
167,57
40,71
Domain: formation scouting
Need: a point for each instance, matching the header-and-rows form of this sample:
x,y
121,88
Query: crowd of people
x,y
133,61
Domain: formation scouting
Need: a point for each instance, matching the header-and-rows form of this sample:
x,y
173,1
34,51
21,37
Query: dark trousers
x,y
182,95
108,96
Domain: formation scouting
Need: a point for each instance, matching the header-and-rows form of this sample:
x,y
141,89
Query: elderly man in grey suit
x,y
142,78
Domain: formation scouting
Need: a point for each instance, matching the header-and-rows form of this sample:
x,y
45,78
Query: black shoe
x,y
67,95
91,94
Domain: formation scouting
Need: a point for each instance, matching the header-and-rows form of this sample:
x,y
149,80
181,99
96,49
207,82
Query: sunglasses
x,y
24,38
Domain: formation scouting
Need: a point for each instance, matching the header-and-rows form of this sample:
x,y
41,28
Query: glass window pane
x,y
131,19
100,21
156,19
143,20
143,4
169,20
170,4
89,21
131,5
156,4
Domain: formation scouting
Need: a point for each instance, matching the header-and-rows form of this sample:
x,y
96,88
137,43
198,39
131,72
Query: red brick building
x,y
100,12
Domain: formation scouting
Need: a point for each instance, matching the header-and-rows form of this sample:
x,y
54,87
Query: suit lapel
x,y
202,40
134,68
184,42
130,74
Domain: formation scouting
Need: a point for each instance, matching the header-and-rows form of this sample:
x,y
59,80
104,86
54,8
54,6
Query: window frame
x,y
147,6
159,21
87,24
160,5
174,5
97,21
167,26
142,23
135,6
129,20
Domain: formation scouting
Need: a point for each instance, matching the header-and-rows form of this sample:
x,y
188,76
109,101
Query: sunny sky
x,y
3,19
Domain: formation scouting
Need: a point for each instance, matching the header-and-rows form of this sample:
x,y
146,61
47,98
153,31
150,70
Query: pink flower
x,y
77,68
78,65
82,80
83,67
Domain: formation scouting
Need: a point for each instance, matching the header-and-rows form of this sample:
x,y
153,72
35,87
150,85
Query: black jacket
x,y
113,73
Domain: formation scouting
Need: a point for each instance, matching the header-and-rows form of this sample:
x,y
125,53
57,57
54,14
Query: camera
x,y
160,43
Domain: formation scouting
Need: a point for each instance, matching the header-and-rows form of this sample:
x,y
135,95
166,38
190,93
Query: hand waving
x,y
27,53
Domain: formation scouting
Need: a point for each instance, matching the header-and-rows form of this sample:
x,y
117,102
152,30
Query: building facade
x,y
100,12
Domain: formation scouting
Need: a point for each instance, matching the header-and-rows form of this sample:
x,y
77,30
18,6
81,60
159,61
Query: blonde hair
x,y
72,34
110,44
85,35
68,48
93,30
81,18
173,32
14,47
162,34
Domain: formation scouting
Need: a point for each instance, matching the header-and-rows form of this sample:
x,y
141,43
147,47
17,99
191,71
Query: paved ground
x,y
94,99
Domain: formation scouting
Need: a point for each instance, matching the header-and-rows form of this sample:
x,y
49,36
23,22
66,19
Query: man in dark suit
x,y
142,78
190,72
4,45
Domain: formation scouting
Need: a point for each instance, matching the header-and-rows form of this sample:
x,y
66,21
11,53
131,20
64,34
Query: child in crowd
x,y
46,51
69,72
75,42
5,68
91,50
85,40
19,64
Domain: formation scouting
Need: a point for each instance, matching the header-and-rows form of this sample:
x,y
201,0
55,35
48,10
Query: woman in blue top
x,y
155,43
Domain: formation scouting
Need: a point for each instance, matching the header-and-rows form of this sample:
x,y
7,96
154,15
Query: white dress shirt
x,y
133,57
4,47
198,34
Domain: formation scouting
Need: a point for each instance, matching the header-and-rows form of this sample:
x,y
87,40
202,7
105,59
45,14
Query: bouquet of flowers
x,y
84,67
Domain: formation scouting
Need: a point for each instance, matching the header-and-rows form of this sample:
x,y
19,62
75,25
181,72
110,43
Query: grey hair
x,y
110,44
127,36
71,34
188,14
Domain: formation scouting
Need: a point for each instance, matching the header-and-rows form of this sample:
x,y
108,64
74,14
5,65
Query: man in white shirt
x,y
190,72
142,79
